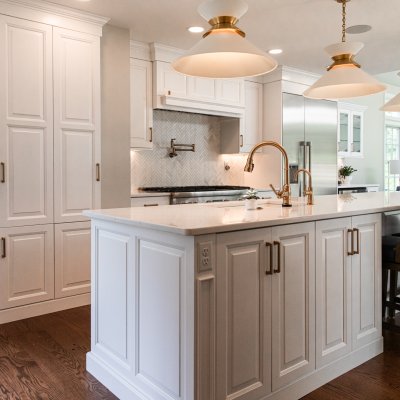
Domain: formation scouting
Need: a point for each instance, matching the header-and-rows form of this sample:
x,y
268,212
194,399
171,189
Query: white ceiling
x,y
302,28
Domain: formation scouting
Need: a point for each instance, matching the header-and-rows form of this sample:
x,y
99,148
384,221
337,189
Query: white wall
x,y
370,167
115,119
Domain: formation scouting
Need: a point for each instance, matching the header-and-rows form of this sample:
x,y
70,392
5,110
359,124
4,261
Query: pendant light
x,y
224,52
392,105
344,78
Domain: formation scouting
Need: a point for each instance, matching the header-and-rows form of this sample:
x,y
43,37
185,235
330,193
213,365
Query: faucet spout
x,y
284,193
309,190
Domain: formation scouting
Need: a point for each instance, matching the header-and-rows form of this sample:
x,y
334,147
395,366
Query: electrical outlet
x,y
205,256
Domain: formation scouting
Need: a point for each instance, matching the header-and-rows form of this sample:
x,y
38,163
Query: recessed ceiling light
x,y
357,29
196,29
275,51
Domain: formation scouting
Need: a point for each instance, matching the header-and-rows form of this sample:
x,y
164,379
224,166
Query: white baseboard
x,y
44,307
125,390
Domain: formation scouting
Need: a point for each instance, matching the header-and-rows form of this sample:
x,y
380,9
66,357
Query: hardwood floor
x,y
43,358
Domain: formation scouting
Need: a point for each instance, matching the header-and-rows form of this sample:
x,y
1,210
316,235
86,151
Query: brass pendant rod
x,y
344,21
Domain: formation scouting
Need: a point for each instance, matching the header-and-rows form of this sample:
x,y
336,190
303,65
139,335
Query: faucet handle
x,y
278,193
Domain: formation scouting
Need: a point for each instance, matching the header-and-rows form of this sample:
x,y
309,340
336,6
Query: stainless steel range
x,y
199,194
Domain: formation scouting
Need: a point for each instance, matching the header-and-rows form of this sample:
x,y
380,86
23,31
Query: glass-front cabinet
x,y
350,130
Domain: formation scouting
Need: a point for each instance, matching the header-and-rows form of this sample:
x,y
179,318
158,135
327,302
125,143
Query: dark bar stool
x,y
390,270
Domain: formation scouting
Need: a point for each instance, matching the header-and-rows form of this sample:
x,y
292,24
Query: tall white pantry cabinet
x,y
49,155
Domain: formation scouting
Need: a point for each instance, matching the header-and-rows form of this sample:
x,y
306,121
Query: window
x,y
392,152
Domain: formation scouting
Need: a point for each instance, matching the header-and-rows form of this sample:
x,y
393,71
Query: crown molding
x,y
162,52
54,14
140,50
290,74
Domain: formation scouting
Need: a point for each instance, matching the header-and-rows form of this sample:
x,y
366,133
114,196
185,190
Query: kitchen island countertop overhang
x,y
201,219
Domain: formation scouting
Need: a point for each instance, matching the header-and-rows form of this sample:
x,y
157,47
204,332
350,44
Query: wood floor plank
x,y
44,358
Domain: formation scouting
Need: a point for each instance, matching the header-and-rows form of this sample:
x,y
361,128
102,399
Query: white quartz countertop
x,y
198,219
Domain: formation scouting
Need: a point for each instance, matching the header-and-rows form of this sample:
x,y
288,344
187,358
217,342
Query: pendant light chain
x,y
344,20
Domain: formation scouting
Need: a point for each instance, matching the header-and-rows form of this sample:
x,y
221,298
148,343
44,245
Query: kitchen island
x,y
213,302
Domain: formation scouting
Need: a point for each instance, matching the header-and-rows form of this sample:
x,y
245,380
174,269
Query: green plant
x,y
251,194
346,170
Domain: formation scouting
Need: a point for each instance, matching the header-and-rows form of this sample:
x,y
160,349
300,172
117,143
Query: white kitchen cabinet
x,y
168,81
293,303
49,153
253,116
265,294
76,124
26,123
72,258
243,361
26,265
241,135
231,91
350,130
333,290
366,279
348,297
141,93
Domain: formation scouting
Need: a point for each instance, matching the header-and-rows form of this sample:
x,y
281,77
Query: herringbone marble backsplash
x,y
203,167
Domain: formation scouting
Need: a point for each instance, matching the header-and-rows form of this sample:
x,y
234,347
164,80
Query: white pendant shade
x,y
224,54
343,82
392,105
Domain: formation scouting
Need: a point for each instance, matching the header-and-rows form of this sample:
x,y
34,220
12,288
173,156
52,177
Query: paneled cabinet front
x,y
72,258
26,265
348,285
293,303
76,124
265,310
26,123
243,331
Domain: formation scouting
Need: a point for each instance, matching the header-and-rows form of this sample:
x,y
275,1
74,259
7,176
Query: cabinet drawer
x,y
149,201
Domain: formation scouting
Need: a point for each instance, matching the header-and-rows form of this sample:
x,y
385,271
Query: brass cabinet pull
x,y
3,247
151,134
271,258
278,270
98,172
357,232
241,140
151,205
3,172
351,252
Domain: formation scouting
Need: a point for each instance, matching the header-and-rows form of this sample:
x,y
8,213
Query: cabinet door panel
x,y
26,123
333,290
77,124
366,281
170,82
72,259
141,104
230,91
202,88
243,317
293,304
253,116
27,271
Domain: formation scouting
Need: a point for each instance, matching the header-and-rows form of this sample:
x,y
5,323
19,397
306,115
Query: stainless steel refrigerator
x,y
309,135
